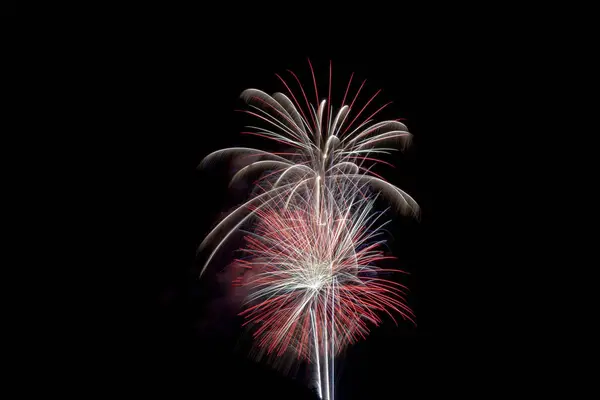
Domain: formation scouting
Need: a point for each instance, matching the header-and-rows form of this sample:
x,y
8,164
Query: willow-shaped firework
x,y
315,238
330,150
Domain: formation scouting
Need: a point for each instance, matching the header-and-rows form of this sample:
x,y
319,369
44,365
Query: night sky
x,y
179,95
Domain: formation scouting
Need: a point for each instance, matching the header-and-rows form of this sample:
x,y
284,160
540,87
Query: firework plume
x,y
329,149
317,288
312,235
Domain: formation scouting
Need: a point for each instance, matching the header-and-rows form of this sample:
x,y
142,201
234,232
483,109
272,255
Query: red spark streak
x,y
294,97
305,99
347,88
315,82
329,98
373,159
363,109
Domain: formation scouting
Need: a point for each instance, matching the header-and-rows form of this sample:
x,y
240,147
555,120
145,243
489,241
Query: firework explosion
x,y
326,153
317,288
315,236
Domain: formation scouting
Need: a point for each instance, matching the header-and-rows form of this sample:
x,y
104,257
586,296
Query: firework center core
x,y
319,275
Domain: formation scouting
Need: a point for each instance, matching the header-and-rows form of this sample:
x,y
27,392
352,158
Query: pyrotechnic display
x,y
312,234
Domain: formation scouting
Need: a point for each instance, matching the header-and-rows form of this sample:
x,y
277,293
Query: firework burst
x,y
327,268
315,237
317,288
330,151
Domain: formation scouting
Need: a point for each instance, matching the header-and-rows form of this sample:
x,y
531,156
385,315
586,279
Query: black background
x,y
170,97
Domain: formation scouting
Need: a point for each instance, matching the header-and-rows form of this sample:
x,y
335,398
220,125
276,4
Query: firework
x,y
329,151
317,287
315,237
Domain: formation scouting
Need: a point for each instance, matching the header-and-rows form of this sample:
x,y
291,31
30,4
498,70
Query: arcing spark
x,y
330,150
